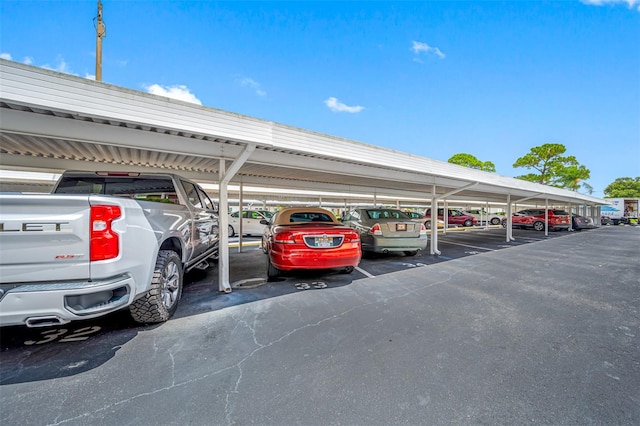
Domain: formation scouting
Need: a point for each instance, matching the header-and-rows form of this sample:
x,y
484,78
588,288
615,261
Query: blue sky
x,y
488,78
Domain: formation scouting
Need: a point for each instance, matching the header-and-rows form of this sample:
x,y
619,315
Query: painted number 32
x,y
63,335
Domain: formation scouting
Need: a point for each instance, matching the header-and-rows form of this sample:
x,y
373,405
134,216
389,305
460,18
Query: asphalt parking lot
x,y
540,330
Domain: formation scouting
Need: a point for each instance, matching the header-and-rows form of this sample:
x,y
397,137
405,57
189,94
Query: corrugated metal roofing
x,y
52,121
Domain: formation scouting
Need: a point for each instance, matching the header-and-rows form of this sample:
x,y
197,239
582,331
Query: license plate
x,y
401,226
324,241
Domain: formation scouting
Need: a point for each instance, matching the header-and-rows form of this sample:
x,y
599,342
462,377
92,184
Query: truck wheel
x,y
495,221
538,226
161,301
272,271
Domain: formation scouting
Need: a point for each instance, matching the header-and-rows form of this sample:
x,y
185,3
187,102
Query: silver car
x,y
384,230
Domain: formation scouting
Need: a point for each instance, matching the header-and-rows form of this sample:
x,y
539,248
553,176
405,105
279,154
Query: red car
x,y
456,217
534,219
309,238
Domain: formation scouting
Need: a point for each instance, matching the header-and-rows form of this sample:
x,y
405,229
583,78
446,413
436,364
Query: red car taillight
x,y
375,229
423,229
104,242
351,237
284,238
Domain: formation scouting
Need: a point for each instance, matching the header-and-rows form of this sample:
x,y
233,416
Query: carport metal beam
x,y
509,229
433,247
223,216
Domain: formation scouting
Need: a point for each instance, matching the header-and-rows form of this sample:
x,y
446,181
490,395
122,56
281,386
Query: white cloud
x,y
419,48
630,3
61,66
180,92
249,82
337,106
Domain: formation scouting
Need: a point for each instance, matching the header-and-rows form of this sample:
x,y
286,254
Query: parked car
x,y
482,216
250,222
414,215
605,220
578,223
384,230
534,219
422,219
455,217
309,238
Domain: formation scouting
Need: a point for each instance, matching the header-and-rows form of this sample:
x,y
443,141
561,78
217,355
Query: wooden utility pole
x,y
101,31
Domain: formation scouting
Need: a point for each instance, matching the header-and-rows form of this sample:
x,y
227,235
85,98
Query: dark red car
x,y
309,238
455,217
534,219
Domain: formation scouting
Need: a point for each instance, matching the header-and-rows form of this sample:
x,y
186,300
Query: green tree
x,y
553,168
625,187
468,160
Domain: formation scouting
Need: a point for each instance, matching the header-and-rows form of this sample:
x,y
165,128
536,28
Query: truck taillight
x,y
375,229
284,238
104,243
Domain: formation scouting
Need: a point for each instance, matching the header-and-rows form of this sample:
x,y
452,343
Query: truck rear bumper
x,y
50,304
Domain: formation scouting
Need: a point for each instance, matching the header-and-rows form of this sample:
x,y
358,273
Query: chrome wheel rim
x,y
170,285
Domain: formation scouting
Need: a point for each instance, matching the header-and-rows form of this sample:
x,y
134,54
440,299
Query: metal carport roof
x,y
53,122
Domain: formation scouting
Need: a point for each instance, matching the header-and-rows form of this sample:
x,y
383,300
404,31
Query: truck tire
x,y
161,300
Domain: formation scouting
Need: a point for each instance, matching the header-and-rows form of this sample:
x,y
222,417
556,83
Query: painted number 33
x,y
61,335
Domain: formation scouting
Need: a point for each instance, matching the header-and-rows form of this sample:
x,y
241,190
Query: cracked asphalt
x,y
539,331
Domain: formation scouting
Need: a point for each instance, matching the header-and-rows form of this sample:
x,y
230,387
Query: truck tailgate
x,y
43,237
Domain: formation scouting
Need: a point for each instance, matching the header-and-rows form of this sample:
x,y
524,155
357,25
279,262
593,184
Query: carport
x,y
54,122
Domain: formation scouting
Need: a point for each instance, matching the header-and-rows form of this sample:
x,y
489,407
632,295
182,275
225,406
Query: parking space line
x,y
363,272
493,235
466,245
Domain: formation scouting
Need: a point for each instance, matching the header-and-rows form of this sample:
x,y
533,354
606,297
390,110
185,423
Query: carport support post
x,y
223,233
223,216
445,217
240,214
433,247
546,217
509,228
571,215
486,216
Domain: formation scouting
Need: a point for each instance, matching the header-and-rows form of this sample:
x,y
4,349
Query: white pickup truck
x,y
101,242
